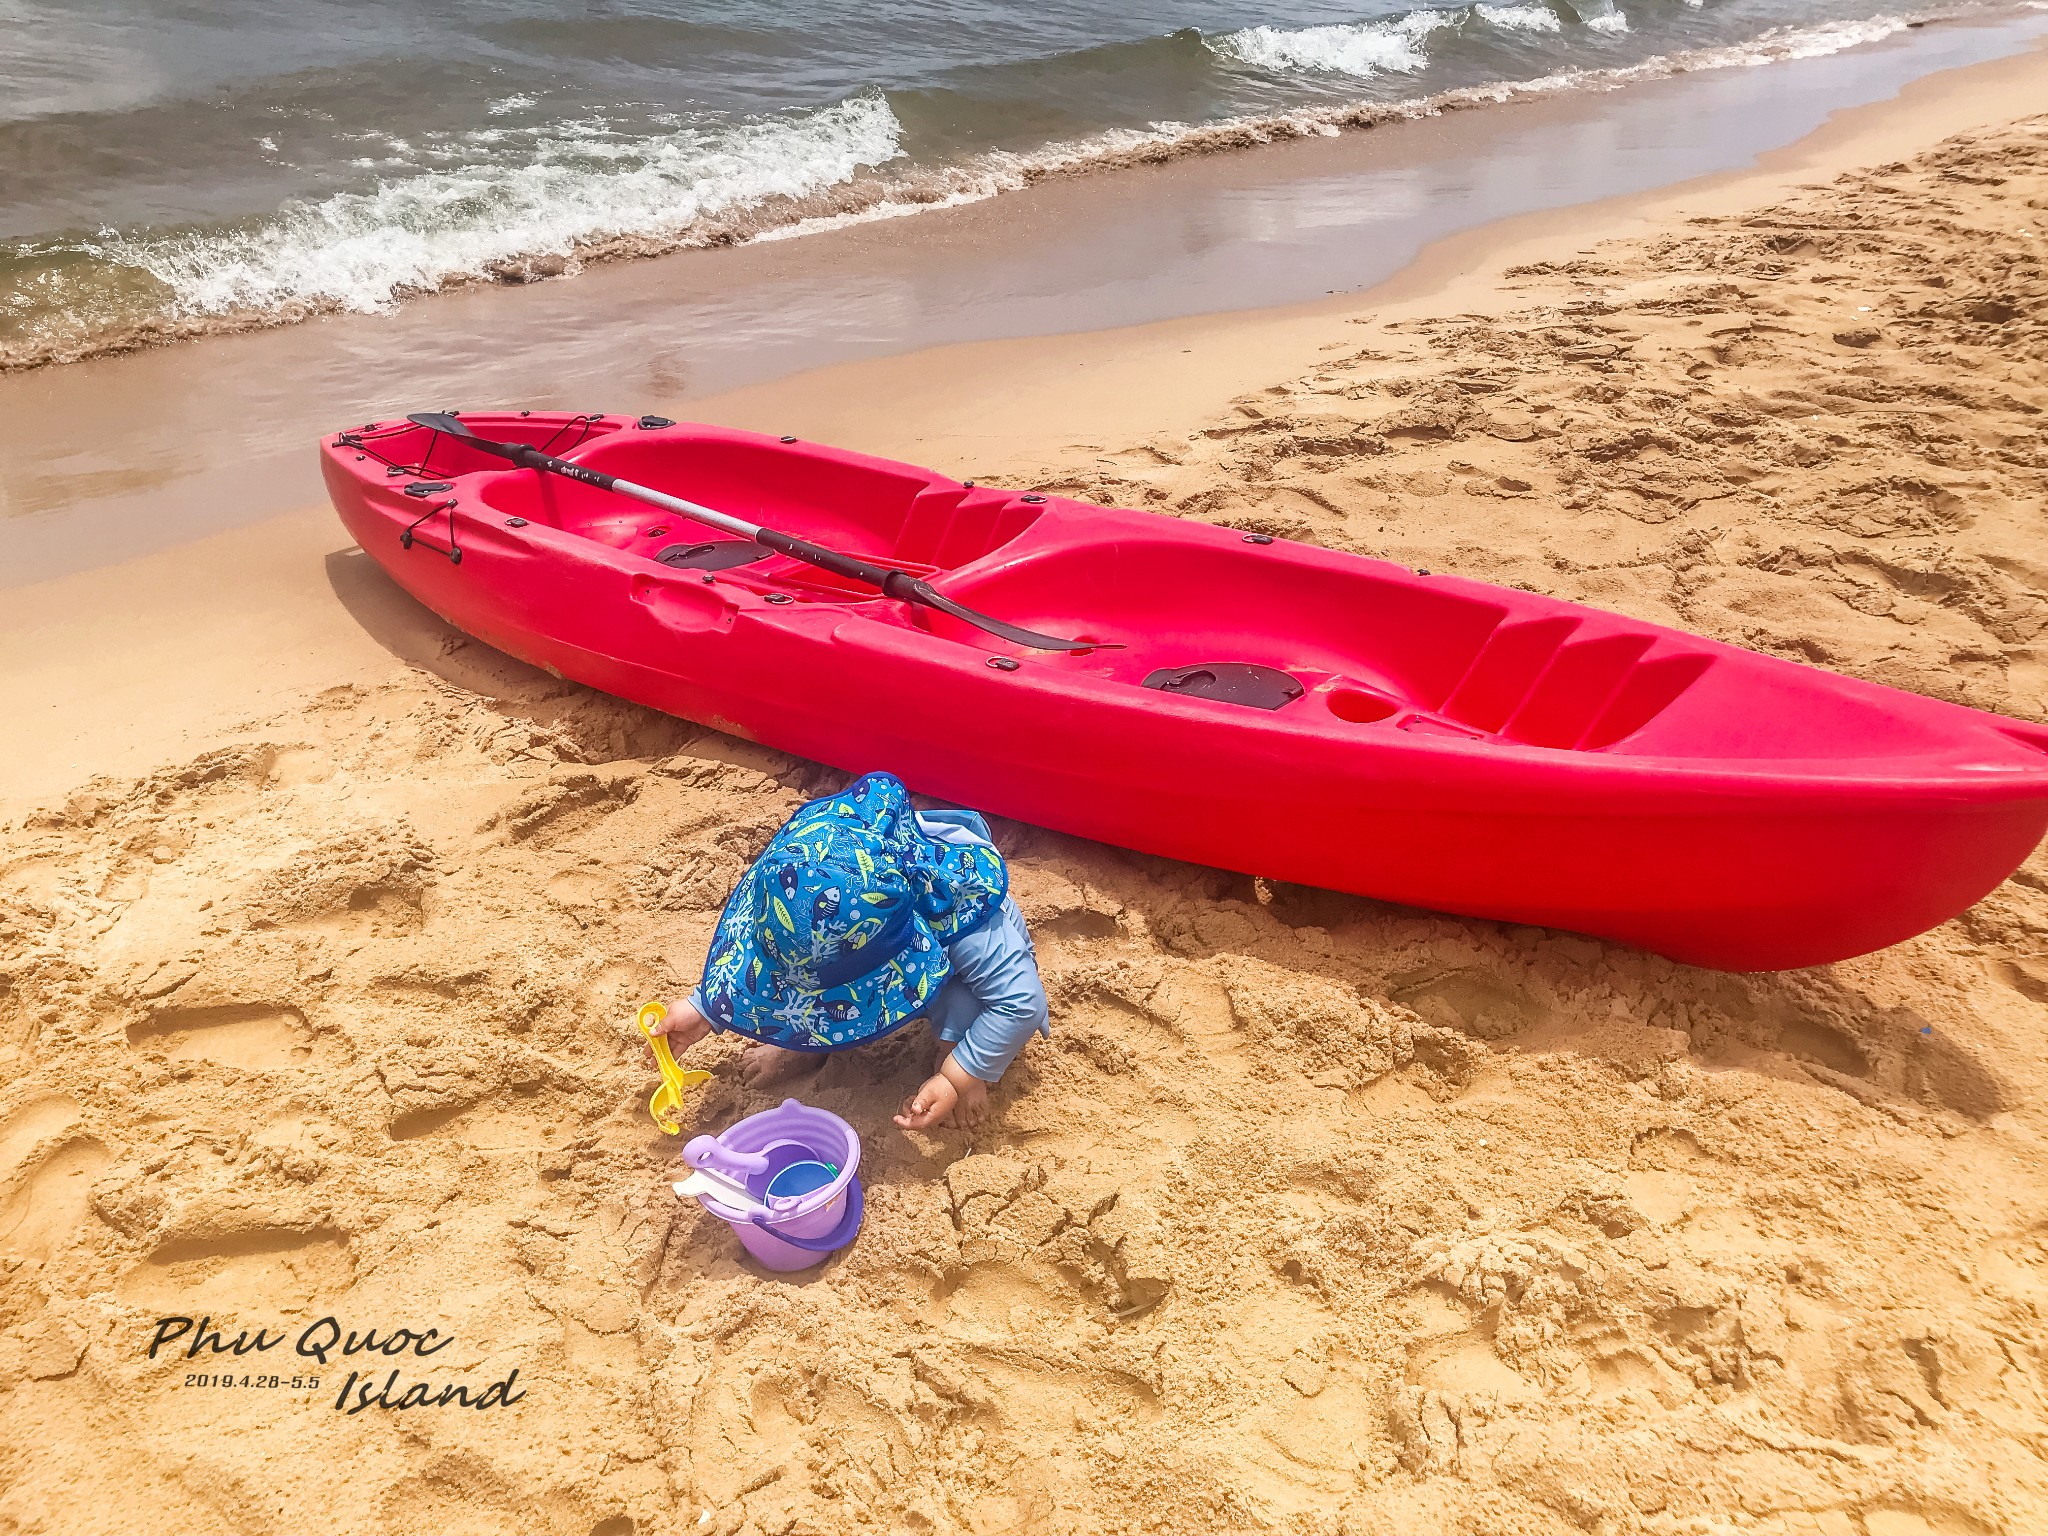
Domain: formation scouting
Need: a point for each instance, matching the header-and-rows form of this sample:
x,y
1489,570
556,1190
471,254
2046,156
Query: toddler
x,y
862,914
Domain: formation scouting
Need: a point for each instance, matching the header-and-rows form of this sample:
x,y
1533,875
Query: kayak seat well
x,y
1367,644
1542,683
1174,603
912,519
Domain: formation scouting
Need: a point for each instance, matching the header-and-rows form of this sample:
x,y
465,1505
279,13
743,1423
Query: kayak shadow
x,y
586,724
1515,988
1484,987
417,636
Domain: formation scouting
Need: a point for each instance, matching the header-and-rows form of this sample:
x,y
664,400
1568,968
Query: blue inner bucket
x,y
800,1179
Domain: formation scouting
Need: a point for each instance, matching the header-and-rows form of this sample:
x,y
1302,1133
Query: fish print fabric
x,y
837,933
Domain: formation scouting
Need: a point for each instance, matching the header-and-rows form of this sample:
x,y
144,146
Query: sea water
x,y
169,168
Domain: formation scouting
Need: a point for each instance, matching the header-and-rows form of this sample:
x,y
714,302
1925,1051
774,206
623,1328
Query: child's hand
x,y
950,1096
684,1026
929,1105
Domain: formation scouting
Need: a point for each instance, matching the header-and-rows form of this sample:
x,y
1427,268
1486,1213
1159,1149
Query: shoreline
x,y
1314,1213
214,434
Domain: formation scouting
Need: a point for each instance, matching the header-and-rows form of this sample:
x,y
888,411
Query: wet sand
x,y
320,926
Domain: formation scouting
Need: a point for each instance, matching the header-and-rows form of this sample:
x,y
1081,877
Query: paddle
x,y
900,585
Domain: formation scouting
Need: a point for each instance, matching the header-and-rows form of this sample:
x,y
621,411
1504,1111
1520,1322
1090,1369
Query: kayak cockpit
x,y
1227,623
1364,643
913,520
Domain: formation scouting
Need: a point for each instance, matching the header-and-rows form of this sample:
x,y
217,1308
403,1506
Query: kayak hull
x,y
1454,746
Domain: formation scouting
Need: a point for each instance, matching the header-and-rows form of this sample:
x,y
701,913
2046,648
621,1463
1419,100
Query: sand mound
x,y
1314,1215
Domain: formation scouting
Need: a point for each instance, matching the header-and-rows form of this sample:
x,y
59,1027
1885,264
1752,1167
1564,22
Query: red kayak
x,y
1269,707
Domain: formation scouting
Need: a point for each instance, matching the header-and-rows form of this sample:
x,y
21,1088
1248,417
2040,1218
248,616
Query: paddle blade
x,y
440,421
445,423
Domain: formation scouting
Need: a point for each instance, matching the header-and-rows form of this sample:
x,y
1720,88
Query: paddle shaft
x,y
849,566
900,585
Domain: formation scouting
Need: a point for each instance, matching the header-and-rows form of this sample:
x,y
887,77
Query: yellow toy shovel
x,y
667,1104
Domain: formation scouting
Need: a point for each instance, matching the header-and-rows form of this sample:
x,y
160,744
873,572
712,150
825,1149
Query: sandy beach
x,y
321,927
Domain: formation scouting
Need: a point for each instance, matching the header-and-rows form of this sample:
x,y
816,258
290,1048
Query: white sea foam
x,y
580,183
1782,43
1599,15
1519,18
1361,48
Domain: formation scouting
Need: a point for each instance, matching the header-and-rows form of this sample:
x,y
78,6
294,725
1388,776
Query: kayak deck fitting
x,y
1269,707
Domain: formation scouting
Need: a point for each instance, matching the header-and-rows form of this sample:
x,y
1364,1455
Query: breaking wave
x,y
581,186
1363,48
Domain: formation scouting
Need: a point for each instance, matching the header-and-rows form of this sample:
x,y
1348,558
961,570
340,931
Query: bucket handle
x,y
838,1237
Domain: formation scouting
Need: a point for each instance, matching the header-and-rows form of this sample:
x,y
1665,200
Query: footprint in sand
x,y
28,1126
255,1270
1665,1196
40,878
254,1037
514,1123
1815,1041
1475,1001
1466,1364
588,888
462,1494
47,1177
1313,1422
1626,1371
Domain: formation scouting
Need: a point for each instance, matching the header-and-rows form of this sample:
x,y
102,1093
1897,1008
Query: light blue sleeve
x,y
696,1001
994,1001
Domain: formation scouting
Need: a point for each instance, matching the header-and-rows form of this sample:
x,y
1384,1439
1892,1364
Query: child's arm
x,y
1004,1001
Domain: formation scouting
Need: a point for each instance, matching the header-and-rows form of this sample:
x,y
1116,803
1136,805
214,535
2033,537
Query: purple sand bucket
x,y
799,1164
